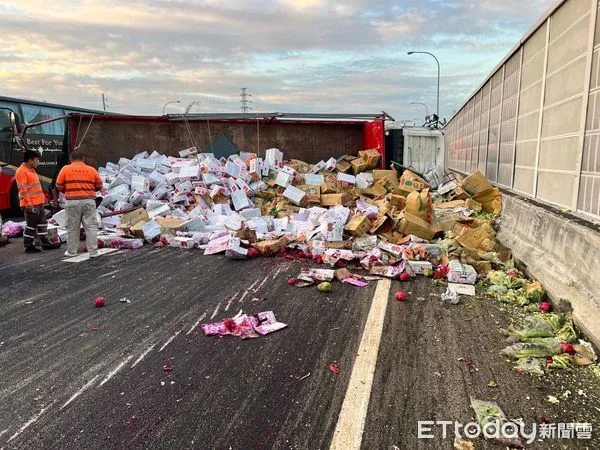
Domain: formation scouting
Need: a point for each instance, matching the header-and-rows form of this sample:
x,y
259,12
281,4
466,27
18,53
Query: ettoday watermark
x,y
430,429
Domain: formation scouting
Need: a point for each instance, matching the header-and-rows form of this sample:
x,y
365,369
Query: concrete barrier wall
x,y
562,252
534,124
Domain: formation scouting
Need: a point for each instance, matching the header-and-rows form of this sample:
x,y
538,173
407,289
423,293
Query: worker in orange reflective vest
x,y
31,199
79,182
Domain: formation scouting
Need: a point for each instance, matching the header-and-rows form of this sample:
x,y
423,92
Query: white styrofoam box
x,y
140,155
118,181
274,157
147,165
184,186
318,167
163,168
196,224
313,179
60,218
283,179
294,194
172,178
282,224
136,198
190,172
346,178
160,211
331,164
243,186
250,213
140,183
240,200
156,178
187,152
340,213
111,222
288,169
210,178
364,180
233,169
123,162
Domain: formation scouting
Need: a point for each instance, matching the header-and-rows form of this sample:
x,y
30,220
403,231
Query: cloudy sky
x,y
292,55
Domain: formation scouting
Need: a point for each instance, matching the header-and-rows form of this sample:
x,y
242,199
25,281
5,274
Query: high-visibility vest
x,y
78,181
30,188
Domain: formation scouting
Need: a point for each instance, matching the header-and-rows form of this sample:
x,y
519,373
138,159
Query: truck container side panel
x,y
108,140
374,137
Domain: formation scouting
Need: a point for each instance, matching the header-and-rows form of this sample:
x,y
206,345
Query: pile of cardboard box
x,y
346,206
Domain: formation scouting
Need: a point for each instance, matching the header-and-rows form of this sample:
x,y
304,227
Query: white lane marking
x,y
276,272
86,256
231,300
169,341
351,421
33,419
145,352
109,273
247,291
243,297
196,324
261,284
215,311
115,370
80,391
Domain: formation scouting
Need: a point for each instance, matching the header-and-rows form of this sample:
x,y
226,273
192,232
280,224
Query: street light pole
x,y
168,103
419,103
438,81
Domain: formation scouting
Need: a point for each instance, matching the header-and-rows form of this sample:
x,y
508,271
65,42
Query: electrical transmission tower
x,y
188,108
245,101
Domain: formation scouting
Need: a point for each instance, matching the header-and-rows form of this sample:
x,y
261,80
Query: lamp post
x,y
419,103
438,81
168,103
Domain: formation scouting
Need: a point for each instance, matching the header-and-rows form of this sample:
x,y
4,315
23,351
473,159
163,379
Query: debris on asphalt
x,y
450,296
99,302
545,341
361,221
490,412
304,377
13,229
325,286
124,300
463,444
334,368
585,354
532,366
245,326
400,296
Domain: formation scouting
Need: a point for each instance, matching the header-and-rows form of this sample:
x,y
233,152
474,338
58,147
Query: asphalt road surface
x,y
76,376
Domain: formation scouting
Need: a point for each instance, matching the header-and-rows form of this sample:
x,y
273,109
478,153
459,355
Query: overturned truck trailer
x,y
310,137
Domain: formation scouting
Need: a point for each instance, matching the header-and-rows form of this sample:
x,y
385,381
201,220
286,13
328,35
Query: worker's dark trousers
x,y
37,225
